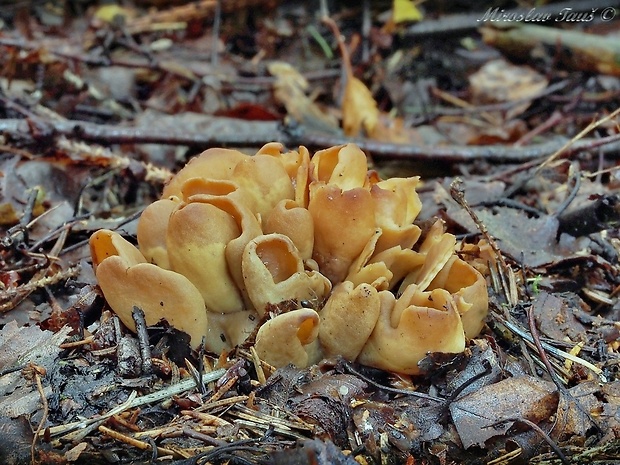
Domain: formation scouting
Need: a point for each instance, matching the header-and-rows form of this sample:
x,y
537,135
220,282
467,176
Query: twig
x,y
258,367
342,46
582,133
502,106
81,342
18,234
34,284
189,432
33,373
188,11
249,134
531,321
348,367
542,433
553,350
197,375
143,340
553,120
223,389
504,270
366,25
135,442
572,194
135,401
226,452
488,369
215,36
591,53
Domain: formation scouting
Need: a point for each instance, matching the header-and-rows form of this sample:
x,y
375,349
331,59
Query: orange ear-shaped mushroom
x,y
151,232
297,165
105,243
377,274
197,236
289,338
391,265
348,318
273,272
248,228
343,222
127,281
416,324
396,205
214,163
208,186
437,248
344,166
228,330
271,148
265,181
469,290
290,219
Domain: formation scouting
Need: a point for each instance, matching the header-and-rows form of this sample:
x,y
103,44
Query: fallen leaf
x,y
576,410
18,346
405,11
16,434
74,453
326,403
290,90
482,355
491,410
250,112
110,13
527,239
312,452
555,316
611,409
359,109
501,81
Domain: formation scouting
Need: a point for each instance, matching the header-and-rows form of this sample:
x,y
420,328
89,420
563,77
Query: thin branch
x,y
134,401
556,449
252,133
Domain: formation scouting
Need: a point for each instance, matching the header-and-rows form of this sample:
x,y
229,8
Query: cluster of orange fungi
x,y
234,235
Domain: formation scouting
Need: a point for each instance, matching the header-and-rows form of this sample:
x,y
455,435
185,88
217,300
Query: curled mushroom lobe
x,y
238,240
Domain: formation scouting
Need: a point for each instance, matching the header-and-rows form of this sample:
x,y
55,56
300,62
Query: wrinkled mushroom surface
x,y
236,240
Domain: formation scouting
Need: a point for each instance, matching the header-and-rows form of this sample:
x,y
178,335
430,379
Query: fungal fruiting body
x,y
235,235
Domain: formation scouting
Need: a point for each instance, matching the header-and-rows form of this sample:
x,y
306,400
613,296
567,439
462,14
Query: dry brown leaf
x,y
501,81
20,345
555,316
528,239
290,90
577,410
359,109
491,411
